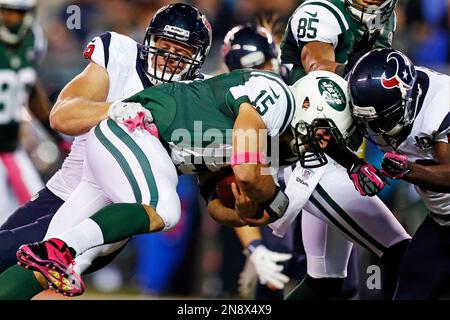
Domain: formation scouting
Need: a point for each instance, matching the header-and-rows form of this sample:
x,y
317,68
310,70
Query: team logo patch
x,y
423,142
89,51
306,174
180,33
332,94
393,77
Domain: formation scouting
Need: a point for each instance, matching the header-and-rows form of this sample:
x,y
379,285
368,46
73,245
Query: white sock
x,y
85,235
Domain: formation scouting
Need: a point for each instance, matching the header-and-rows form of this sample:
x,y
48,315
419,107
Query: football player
x,y
114,222
176,43
405,110
126,164
22,48
331,35
248,46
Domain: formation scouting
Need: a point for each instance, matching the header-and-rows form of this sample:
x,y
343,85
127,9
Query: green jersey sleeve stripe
x,y
335,11
122,162
141,158
290,108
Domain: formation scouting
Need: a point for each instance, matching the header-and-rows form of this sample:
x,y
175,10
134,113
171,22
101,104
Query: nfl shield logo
x,y
307,174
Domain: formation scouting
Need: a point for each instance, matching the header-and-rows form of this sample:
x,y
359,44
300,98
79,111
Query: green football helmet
x,y
13,34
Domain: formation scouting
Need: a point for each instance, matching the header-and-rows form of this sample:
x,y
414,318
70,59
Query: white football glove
x,y
247,281
121,111
265,262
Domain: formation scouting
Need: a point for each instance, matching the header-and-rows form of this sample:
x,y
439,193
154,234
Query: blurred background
x,y
190,259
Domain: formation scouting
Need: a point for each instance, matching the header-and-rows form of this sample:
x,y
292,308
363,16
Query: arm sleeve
x,y
300,185
322,22
443,133
270,97
97,50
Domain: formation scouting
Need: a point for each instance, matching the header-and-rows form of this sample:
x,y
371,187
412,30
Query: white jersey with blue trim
x,y
119,56
432,124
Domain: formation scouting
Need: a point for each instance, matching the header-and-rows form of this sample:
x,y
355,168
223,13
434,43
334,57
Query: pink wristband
x,y
248,157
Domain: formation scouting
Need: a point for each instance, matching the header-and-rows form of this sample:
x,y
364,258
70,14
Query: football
x,y
224,192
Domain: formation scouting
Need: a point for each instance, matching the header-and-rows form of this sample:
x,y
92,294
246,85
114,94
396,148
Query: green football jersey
x,y
326,21
17,77
196,118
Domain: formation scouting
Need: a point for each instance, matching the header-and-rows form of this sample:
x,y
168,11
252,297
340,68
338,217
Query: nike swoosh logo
x,y
311,14
274,94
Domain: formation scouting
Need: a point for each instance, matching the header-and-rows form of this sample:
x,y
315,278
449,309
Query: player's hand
x,y
394,165
133,115
257,221
366,178
267,268
244,206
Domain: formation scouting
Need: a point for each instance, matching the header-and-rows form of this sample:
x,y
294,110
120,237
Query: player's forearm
x,y
40,107
248,234
322,65
77,115
433,178
259,187
345,157
39,103
318,56
224,215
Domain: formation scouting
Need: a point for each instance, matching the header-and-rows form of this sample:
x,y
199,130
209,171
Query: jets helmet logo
x,y
402,77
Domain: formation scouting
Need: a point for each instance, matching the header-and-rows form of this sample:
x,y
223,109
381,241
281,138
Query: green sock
x,y
302,292
121,221
316,289
17,283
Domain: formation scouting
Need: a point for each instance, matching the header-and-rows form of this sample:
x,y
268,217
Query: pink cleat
x,y
53,259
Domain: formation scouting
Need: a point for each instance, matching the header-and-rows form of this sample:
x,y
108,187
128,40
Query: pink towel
x,y
15,177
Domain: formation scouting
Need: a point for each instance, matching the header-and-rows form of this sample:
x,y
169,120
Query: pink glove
x,y
394,165
366,178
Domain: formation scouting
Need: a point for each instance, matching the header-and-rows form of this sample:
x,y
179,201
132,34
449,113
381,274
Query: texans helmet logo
x,y
402,77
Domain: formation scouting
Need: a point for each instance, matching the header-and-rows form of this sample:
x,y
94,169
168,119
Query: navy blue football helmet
x,y
248,46
183,24
383,92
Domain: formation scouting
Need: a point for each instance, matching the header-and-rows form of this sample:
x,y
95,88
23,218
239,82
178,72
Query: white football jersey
x,y
432,124
119,55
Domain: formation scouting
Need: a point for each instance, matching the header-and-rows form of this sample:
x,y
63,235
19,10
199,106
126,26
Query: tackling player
x,y
331,35
405,110
118,68
138,175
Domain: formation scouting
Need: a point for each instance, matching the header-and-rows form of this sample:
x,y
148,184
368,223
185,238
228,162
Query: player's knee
x,y
168,213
